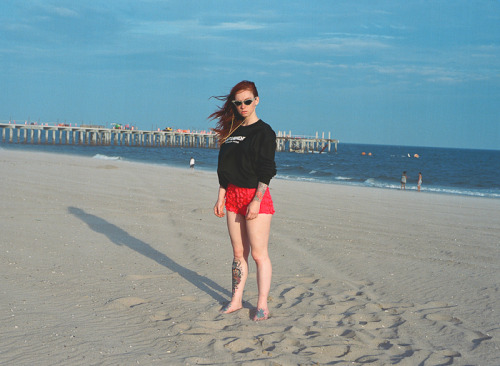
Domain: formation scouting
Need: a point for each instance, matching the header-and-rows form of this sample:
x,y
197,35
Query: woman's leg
x,y
241,249
258,234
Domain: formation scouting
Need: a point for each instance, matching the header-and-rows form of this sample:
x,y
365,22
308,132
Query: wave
x,y
105,157
298,178
462,192
321,174
372,182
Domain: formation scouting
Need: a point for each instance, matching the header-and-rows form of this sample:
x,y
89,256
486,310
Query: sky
x,y
409,73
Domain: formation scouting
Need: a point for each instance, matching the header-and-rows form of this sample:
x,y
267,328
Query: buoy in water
x,y
416,156
363,153
369,154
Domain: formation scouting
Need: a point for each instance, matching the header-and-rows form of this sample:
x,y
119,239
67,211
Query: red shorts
x,y
238,199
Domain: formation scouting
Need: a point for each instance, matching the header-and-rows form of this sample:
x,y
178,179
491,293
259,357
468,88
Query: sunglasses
x,y
237,103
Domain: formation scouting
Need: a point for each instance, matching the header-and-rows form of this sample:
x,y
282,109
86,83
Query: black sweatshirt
x,y
247,156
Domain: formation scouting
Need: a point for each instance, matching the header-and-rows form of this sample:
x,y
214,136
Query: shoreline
x,y
119,262
439,190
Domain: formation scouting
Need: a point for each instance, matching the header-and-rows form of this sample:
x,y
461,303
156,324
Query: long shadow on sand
x,y
121,237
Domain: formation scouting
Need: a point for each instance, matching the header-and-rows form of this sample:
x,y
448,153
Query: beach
x,y
122,263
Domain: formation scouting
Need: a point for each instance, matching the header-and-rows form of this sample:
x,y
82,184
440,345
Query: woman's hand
x,y
254,206
219,208
252,210
219,205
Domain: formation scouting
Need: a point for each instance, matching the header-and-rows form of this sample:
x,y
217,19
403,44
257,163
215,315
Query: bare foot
x,y
229,308
261,314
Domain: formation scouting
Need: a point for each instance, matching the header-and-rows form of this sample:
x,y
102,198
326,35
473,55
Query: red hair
x,y
227,116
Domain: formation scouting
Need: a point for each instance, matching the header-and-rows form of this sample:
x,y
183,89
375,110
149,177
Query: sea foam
x,y
105,157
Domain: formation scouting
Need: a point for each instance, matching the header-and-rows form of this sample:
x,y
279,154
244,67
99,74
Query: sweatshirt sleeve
x,y
222,181
266,166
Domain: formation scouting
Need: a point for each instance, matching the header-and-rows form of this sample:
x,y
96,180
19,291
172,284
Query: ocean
x,y
445,171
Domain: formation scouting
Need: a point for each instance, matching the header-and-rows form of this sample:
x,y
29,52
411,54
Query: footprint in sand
x,y
292,296
160,316
241,345
443,318
316,321
144,277
332,322
188,298
125,302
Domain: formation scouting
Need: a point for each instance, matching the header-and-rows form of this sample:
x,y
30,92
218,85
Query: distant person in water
x,y
403,180
191,163
245,167
419,182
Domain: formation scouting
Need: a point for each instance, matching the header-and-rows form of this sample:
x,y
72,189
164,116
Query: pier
x,y
98,135
304,144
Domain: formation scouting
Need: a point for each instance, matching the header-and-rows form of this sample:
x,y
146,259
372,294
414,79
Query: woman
x,y
419,182
403,180
245,168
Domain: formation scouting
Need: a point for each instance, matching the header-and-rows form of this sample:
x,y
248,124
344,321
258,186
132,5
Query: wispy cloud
x,y
424,73
191,26
162,28
340,42
396,72
62,12
236,26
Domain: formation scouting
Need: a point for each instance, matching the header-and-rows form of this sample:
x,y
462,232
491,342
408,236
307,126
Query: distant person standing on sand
x,y
191,163
419,182
245,168
403,180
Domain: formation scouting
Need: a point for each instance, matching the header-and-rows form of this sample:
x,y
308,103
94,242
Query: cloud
x,y
430,74
401,72
339,42
163,27
190,27
238,26
62,12
15,27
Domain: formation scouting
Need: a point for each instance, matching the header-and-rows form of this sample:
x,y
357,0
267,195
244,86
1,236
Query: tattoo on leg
x,y
237,273
225,307
261,315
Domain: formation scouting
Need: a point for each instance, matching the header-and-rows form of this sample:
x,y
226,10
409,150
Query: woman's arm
x,y
254,206
219,205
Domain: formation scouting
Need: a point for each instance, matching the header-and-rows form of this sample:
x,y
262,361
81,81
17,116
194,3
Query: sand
x,y
121,263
